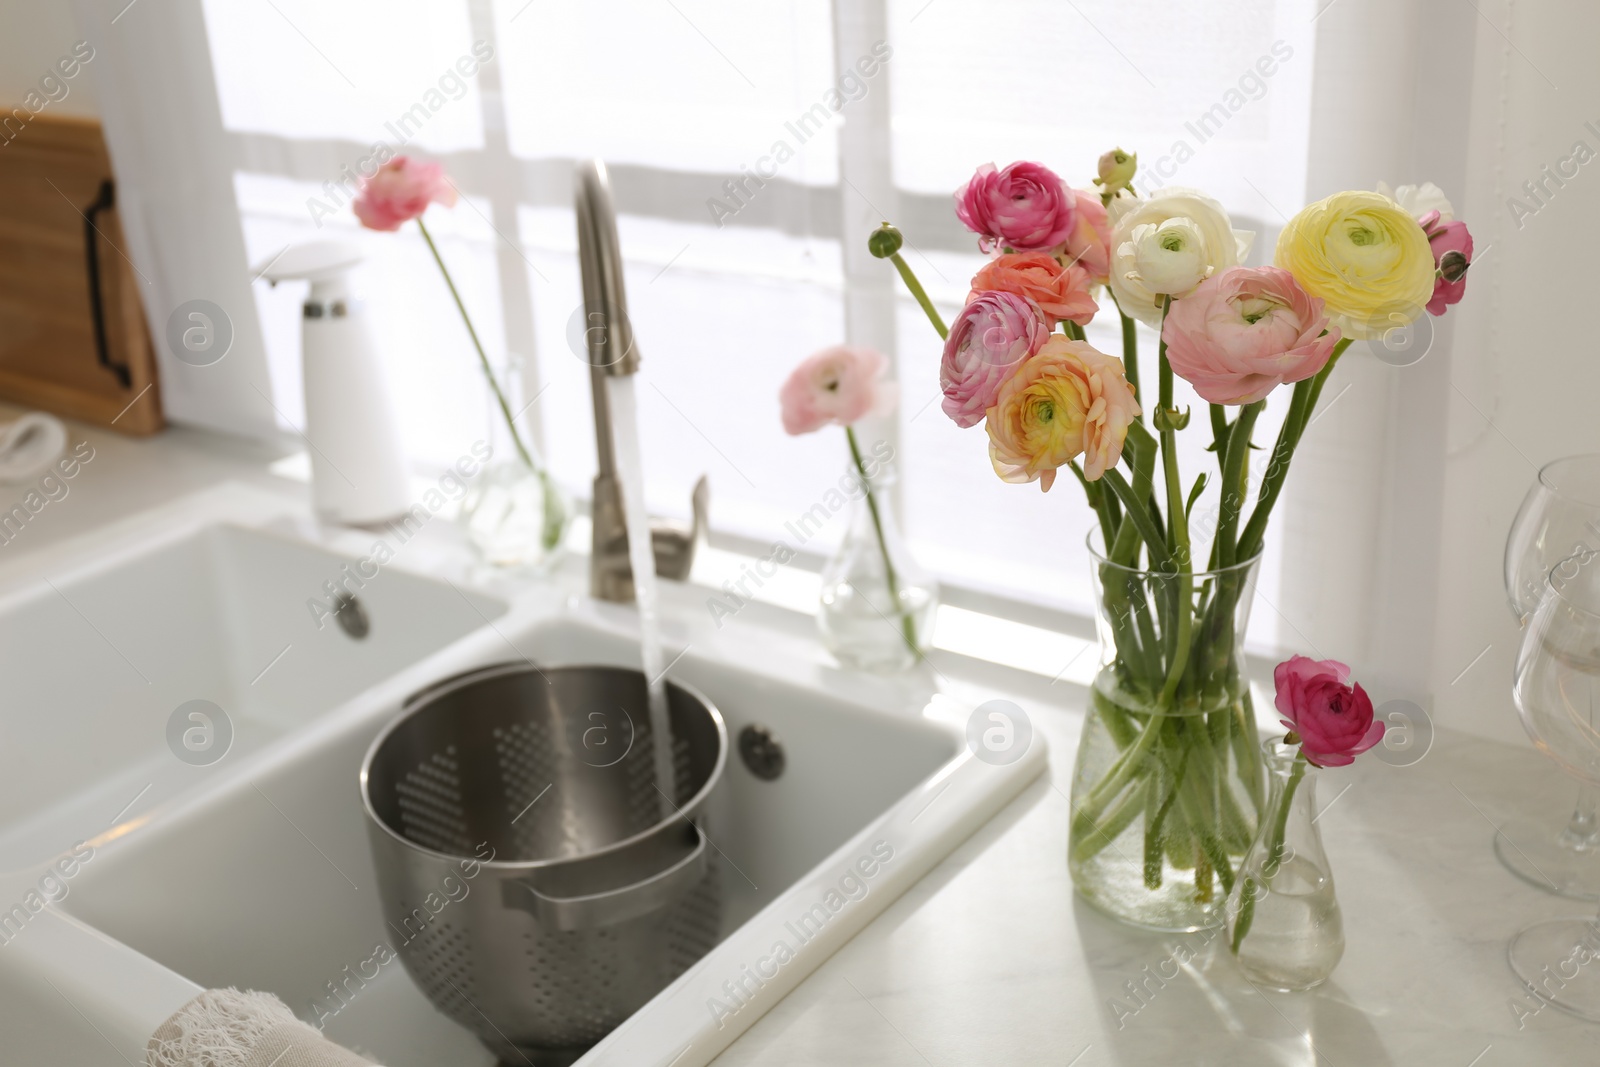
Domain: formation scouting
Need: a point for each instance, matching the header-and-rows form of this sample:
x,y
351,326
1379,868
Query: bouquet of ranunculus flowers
x,y
1169,783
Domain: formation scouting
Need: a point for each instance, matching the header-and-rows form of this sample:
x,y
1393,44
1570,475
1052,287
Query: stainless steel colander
x,y
531,885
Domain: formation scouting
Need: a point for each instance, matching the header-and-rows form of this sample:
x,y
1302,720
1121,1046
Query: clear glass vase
x,y
1284,925
514,514
1168,785
875,613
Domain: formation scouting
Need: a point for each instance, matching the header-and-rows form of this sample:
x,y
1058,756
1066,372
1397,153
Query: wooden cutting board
x,y
62,257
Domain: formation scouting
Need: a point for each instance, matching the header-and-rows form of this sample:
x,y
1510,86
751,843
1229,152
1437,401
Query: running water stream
x,y
630,473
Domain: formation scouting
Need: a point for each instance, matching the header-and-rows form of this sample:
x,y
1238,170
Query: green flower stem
x,y
1142,452
908,625
1093,838
554,510
483,359
1098,500
1219,430
1155,821
1177,523
1130,348
1301,406
1122,772
921,294
1136,511
1235,467
1280,823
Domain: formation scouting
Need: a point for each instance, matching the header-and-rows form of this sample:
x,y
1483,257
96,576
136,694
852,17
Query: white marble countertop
x,y
991,959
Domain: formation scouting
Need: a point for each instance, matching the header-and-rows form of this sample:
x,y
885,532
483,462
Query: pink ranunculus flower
x,y
1023,208
400,191
1452,255
1333,719
838,385
1062,292
1068,400
1089,243
1246,331
989,338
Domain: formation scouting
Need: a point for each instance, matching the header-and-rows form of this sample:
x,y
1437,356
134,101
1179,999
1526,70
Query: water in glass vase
x,y
876,614
1284,923
1297,935
1168,784
513,514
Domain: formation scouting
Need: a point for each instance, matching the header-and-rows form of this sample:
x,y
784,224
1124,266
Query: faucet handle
x,y
700,507
674,544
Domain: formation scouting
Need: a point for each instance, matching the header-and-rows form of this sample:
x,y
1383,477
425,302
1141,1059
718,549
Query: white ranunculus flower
x,y
1418,200
1143,269
1170,257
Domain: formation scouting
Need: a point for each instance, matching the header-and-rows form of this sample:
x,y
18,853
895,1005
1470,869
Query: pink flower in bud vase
x,y
400,191
989,338
1244,332
838,385
1452,255
1023,208
1089,243
1333,719
1062,292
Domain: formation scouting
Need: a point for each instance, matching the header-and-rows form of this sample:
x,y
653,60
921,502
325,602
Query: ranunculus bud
x,y
885,241
1116,170
1452,255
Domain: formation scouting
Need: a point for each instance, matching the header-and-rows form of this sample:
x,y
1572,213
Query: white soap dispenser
x,y
358,472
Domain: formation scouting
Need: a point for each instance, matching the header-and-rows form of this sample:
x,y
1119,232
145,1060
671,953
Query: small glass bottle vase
x,y
514,515
876,613
1284,925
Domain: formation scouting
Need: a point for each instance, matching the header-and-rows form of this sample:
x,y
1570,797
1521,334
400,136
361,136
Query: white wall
x,y
33,35
1526,374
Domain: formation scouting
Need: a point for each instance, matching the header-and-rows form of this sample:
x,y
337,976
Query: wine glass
x,y
1559,520
1557,693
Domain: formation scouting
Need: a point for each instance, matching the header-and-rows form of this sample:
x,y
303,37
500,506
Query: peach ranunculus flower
x,y
1066,401
400,191
1089,243
1060,292
837,385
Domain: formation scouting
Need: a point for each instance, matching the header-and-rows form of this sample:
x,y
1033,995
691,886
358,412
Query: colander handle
x,y
619,905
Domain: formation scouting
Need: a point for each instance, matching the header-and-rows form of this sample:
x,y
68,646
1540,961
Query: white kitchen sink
x,y
97,659
256,873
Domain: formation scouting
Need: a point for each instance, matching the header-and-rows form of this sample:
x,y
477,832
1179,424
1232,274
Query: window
x,y
744,145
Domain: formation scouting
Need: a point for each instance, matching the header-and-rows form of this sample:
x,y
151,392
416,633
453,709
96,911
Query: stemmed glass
x,y
1559,520
1557,693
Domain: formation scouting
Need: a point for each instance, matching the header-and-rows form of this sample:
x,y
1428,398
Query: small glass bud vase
x,y
513,514
876,613
1284,924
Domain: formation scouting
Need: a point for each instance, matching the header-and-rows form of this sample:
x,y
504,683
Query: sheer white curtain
x,y
752,149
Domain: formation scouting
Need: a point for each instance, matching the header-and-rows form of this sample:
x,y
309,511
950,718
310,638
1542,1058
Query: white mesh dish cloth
x,y
227,1028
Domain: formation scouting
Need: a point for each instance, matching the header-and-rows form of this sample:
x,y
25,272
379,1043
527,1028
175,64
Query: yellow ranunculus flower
x,y
1364,256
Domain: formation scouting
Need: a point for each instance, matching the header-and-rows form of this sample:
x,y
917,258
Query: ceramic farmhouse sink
x,y
224,620
256,873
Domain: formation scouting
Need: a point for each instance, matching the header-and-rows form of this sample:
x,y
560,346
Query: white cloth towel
x,y
229,1028
29,445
